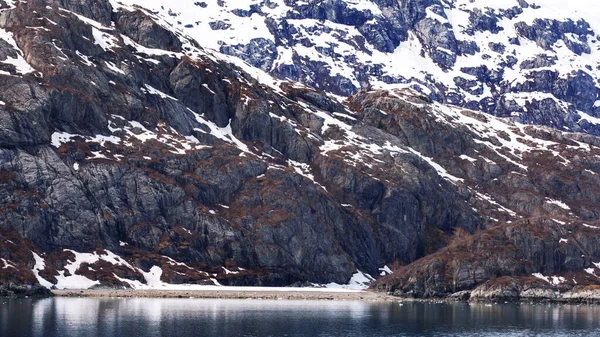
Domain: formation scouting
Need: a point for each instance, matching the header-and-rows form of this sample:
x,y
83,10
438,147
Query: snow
x,y
225,134
554,280
133,130
39,266
385,270
359,281
153,277
85,59
59,138
104,40
7,264
227,271
558,203
186,18
184,12
21,65
489,199
74,281
153,282
364,5
153,91
302,169
114,68
589,118
148,51
440,170
10,5
465,157
205,86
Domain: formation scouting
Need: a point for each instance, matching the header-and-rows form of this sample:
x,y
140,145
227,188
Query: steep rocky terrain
x,y
131,156
536,62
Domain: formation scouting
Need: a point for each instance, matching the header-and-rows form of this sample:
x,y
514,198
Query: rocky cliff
x,y
131,156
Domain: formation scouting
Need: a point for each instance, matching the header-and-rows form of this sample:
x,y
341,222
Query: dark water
x,y
199,317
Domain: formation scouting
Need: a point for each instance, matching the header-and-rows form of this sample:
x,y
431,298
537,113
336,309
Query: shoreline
x,y
300,294
261,294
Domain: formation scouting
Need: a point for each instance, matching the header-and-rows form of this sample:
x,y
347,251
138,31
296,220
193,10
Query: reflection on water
x,y
202,317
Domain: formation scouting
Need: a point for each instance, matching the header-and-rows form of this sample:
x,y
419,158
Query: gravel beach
x,y
276,293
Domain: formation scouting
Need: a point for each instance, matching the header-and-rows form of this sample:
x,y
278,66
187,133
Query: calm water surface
x,y
91,317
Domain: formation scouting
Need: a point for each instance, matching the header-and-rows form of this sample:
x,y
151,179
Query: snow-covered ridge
x,y
486,55
509,140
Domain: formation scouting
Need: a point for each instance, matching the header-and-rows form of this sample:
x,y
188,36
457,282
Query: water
x,y
89,317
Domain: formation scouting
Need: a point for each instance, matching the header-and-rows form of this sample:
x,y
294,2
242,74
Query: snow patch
x,y
20,64
74,281
359,281
558,203
40,265
554,280
385,270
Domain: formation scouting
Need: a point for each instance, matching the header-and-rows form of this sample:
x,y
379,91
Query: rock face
x,y
132,157
536,64
118,143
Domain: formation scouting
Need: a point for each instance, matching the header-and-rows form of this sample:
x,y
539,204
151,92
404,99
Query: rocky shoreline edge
x,y
579,297
574,297
279,294
591,297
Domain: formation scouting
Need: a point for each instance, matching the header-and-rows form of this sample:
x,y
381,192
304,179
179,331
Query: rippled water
x,y
202,317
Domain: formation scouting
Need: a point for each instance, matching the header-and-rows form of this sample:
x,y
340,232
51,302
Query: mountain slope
x,y
133,157
119,140
535,63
